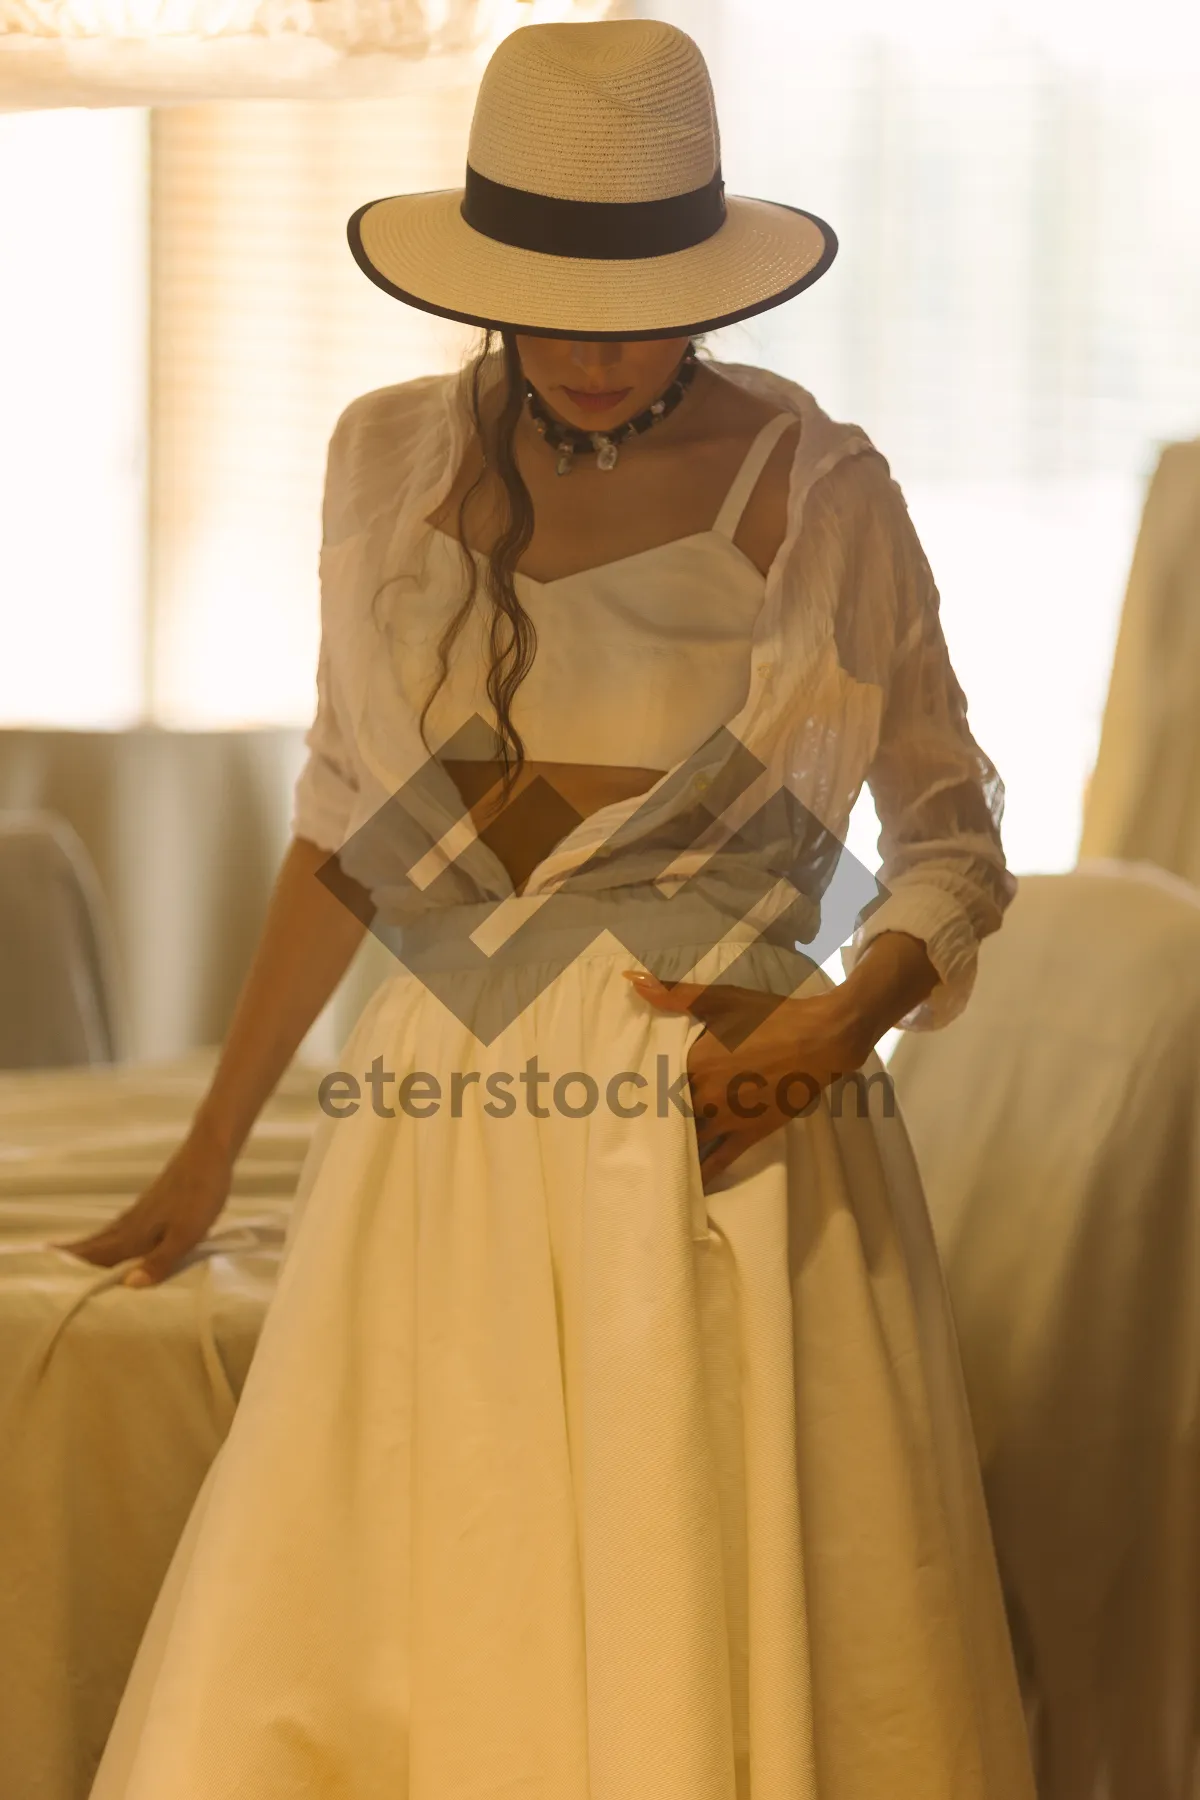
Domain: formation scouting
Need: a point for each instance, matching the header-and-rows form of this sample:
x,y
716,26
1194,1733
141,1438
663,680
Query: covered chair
x,y
57,981
1143,802
1057,1128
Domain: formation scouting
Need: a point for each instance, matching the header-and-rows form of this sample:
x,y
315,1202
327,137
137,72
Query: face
x,y
597,386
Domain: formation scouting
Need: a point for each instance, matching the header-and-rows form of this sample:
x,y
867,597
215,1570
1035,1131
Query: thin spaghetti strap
x,y
752,467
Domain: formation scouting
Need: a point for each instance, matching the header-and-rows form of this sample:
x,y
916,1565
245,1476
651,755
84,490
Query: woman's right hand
x,y
307,943
169,1218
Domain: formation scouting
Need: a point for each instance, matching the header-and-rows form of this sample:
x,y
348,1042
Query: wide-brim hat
x,y
593,205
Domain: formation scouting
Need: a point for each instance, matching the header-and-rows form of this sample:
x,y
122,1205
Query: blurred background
x,y
1011,317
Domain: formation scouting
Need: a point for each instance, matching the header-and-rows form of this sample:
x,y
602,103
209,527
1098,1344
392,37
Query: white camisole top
x,y
638,660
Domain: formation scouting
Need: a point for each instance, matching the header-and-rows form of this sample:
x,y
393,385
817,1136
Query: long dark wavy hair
x,y
512,638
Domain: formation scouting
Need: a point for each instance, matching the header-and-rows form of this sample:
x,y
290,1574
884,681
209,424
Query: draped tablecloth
x,y
113,1401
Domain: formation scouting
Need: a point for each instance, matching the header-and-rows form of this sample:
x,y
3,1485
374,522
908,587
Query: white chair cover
x,y
1057,1128
57,984
1143,802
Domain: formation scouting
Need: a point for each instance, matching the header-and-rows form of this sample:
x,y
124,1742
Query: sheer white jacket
x,y
850,681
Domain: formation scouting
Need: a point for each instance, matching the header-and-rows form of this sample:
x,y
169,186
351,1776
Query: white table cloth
x,y
113,1402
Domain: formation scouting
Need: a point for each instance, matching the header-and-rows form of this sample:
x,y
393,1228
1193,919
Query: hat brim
x,y
419,249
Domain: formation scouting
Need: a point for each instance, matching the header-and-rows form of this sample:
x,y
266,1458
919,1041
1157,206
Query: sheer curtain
x,y
183,322
74,292
157,52
1012,315
264,328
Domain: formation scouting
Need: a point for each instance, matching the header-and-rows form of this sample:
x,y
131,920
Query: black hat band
x,y
606,230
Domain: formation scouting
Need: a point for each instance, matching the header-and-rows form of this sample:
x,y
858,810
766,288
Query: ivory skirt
x,y
555,1478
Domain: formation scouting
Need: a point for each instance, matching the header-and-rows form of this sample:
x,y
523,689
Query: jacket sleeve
x,y
938,796
327,787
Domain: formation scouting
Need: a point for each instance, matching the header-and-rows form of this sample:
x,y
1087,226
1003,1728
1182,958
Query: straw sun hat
x,y
593,205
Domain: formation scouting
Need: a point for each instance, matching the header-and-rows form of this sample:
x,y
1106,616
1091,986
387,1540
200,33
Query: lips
x,y
591,402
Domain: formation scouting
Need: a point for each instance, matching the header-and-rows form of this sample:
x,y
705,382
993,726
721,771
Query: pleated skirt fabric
x,y
555,1478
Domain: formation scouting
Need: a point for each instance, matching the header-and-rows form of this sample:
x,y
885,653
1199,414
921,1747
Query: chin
x,y
588,418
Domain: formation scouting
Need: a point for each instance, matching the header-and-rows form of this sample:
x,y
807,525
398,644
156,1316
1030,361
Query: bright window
x,y
264,330
1012,317
73,326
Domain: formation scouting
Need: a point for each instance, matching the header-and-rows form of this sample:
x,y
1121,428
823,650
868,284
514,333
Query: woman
x,y
560,1470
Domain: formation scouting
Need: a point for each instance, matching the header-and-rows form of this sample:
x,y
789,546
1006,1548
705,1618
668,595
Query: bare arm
x,y
307,942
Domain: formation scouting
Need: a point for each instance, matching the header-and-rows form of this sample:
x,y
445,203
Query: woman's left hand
x,y
784,1054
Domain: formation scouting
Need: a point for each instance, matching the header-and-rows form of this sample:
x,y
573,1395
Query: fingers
x,y
165,1257
125,1237
726,1152
82,1247
109,1247
161,1262
733,1014
167,1221
682,997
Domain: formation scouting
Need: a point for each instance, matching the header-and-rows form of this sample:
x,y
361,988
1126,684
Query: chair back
x,y
57,985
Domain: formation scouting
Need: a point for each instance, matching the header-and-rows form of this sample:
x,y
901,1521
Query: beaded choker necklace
x,y
603,444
